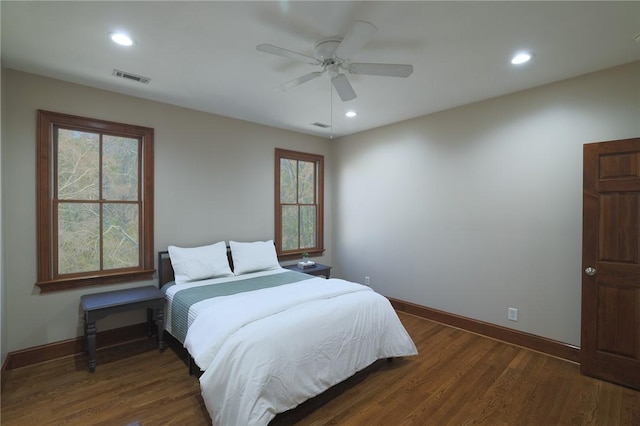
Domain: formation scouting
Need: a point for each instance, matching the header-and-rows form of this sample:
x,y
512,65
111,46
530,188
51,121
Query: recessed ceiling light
x,y
521,58
351,114
121,39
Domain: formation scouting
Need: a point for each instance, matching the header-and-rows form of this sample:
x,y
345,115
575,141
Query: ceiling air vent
x,y
322,125
129,76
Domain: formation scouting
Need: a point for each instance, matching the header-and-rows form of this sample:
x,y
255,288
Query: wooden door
x,y
610,347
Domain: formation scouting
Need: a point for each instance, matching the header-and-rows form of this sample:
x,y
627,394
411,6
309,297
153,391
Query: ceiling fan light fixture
x,y
121,38
521,58
333,70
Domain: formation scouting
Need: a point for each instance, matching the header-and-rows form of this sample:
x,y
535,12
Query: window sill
x,y
72,283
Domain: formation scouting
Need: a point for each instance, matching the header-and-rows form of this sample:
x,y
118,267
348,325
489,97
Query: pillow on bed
x,y
253,257
199,263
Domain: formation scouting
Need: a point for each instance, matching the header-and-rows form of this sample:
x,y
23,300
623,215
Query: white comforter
x,y
264,352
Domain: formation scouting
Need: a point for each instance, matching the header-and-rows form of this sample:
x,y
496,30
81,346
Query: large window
x,y
299,195
94,202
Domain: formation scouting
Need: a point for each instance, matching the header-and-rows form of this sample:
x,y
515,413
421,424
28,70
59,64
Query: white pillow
x,y
253,257
199,263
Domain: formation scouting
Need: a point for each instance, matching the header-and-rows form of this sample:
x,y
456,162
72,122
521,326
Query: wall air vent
x,y
322,125
129,76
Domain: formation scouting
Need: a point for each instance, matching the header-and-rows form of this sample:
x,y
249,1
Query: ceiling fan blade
x,y
359,35
290,54
387,70
343,87
298,81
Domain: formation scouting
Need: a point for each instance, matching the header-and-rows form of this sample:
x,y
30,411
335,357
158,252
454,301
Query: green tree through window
x,y
299,203
95,202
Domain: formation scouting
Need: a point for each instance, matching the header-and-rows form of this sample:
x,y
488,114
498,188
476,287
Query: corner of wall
x,y
3,326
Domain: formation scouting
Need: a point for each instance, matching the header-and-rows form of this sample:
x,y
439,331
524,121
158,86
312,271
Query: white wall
x,y
213,181
479,208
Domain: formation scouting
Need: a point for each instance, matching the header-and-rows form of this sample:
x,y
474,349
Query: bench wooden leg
x,y
91,345
160,329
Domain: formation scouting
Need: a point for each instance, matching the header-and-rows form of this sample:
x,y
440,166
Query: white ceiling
x,y
202,55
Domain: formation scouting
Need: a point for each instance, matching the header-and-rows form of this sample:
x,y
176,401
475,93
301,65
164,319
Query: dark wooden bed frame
x,y
165,270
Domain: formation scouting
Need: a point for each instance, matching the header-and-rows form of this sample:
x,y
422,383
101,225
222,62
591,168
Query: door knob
x,y
590,271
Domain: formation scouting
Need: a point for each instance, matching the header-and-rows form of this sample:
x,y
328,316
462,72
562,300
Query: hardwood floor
x,y
458,378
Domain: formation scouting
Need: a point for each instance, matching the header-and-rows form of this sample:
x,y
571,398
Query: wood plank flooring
x,y
459,378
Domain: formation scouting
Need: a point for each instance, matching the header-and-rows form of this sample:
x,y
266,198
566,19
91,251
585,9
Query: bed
x,y
267,338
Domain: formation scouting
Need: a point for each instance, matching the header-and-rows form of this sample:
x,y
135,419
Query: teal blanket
x,y
183,299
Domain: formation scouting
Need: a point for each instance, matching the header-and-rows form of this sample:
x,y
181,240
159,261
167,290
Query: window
x,y
94,202
299,195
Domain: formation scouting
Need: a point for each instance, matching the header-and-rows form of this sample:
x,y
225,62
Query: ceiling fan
x,y
334,56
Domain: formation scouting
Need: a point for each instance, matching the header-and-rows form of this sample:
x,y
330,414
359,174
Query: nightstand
x,y
317,270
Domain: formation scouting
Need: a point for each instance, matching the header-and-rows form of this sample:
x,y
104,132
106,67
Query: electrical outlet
x,y
366,281
513,314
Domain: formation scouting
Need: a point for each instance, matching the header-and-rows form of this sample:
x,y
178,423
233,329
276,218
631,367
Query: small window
x,y
95,202
299,195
